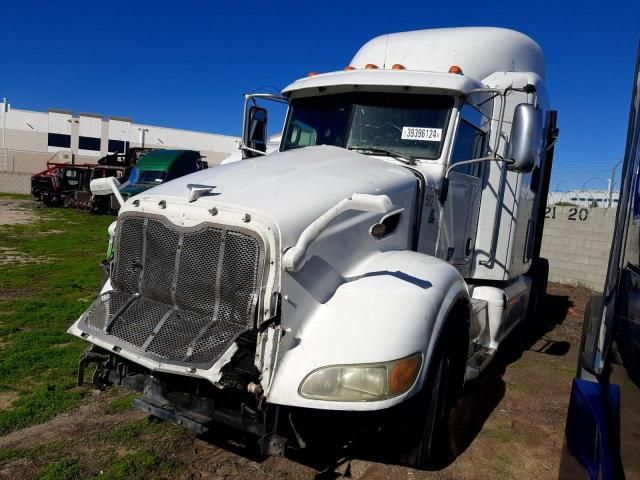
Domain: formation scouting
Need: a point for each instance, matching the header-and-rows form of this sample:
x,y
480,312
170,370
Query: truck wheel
x,y
432,447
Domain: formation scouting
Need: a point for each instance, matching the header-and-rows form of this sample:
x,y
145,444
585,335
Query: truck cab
x,y
351,282
159,166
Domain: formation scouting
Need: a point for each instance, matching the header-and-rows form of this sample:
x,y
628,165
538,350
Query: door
x,y
461,209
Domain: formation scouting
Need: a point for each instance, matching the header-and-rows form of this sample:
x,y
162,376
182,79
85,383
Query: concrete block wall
x,y
577,241
15,182
17,167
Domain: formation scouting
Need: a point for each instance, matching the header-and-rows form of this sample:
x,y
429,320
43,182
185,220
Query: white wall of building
x,y
91,128
31,131
58,123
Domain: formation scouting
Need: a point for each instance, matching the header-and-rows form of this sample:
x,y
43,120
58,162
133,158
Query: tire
x,y
432,445
48,201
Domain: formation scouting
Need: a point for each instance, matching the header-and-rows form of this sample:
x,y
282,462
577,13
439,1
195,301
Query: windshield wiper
x,y
383,151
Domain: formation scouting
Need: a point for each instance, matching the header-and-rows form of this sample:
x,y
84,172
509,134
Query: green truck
x,y
156,167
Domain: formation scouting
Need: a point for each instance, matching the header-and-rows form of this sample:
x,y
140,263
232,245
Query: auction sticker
x,y
422,133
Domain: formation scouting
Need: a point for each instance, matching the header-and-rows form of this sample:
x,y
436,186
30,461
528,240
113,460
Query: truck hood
x,y
292,188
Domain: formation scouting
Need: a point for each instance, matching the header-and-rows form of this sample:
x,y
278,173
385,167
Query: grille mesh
x,y
126,271
239,273
196,286
179,331
159,261
137,322
102,310
180,295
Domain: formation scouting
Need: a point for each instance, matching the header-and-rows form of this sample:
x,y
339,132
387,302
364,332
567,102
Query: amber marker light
x,y
370,66
312,74
455,69
397,66
403,373
349,68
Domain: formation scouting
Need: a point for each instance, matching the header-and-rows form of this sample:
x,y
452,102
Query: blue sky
x,y
185,64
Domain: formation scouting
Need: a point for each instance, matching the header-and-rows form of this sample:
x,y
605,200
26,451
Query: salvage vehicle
x,y
67,184
603,420
56,186
157,167
345,287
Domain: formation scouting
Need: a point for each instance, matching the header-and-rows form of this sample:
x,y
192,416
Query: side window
x,y
182,167
469,144
72,178
301,135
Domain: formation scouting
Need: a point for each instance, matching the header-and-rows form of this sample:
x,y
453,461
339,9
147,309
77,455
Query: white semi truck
x,y
346,286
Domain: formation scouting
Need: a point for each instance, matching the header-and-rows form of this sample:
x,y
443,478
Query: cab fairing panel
x,y
479,51
391,306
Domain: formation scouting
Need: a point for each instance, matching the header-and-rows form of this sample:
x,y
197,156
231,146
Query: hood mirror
x,y
254,135
106,186
526,136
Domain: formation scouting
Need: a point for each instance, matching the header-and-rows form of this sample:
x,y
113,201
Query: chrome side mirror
x,y
526,138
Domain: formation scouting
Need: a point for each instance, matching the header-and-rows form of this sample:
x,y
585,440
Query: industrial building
x,y
29,139
585,198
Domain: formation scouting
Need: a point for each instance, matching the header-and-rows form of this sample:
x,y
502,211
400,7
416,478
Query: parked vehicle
x,y
123,163
345,287
56,186
157,167
67,184
603,422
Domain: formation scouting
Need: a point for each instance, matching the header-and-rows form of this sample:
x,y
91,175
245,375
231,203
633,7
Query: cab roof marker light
x,y
371,66
455,69
348,68
312,74
398,66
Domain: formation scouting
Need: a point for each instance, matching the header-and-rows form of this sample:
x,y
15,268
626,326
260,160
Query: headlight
x,y
363,382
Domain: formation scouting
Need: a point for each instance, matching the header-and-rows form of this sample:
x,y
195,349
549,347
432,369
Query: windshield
x,y
150,176
411,125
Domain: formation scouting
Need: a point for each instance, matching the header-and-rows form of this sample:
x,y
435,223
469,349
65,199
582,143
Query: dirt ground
x,y
509,425
15,211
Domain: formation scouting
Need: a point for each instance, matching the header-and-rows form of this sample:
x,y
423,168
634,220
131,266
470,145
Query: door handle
x,y
467,248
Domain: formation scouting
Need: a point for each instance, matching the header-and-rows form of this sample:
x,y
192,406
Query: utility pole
x,y
4,122
142,135
612,182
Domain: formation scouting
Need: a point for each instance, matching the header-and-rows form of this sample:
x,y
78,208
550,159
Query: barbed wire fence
x,y
586,183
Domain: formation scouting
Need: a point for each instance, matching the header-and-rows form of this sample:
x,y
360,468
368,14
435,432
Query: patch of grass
x,y
150,443
131,433
15,196
136,449
65,469
40,301
43,454
121,404
145,464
